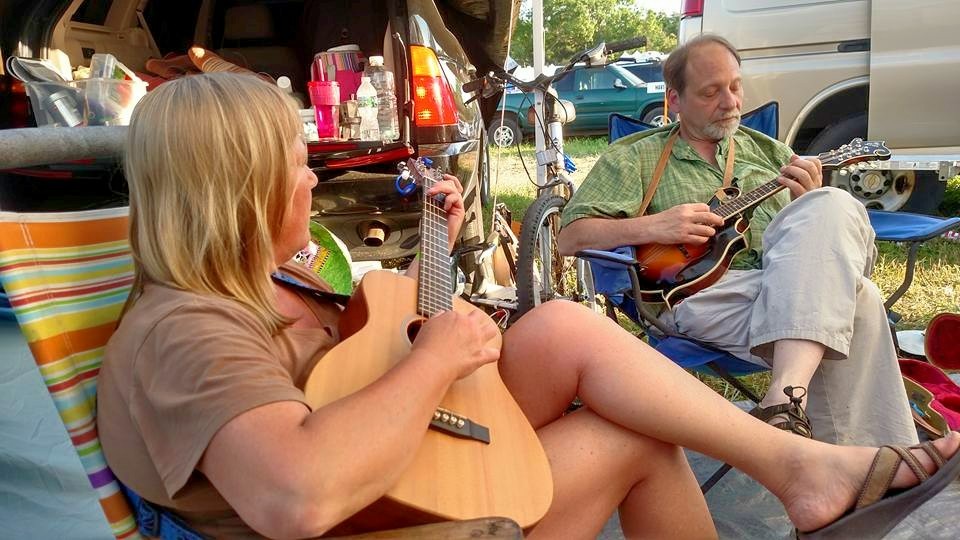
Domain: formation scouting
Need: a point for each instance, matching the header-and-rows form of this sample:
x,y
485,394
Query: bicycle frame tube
x,y
547,168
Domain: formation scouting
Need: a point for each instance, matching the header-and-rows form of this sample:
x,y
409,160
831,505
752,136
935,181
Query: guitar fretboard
x,y
435,289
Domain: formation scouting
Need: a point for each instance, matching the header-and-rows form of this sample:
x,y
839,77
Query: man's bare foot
x,y
827,480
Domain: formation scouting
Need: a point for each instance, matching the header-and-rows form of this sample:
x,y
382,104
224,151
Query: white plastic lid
x,y
376,60
364,78
284,82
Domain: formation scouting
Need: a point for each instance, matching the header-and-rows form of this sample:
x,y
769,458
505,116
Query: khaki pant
x,y
814,285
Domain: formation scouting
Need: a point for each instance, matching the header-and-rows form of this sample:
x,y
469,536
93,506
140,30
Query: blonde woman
x,y
201,408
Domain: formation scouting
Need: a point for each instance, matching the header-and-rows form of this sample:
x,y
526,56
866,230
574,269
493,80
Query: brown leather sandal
x,y
880,508
791,415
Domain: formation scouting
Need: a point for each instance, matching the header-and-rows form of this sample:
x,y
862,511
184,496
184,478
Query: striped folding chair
x,y
67,276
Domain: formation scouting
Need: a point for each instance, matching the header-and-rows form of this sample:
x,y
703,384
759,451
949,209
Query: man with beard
x,y
799,300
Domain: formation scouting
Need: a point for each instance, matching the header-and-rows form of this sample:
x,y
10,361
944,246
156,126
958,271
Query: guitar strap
x,y
339,299
662,165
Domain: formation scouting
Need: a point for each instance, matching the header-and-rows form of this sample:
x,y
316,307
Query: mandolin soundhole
x,y
413,329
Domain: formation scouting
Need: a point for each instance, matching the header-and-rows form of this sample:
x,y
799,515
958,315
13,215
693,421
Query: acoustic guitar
x,y
480,457
671,272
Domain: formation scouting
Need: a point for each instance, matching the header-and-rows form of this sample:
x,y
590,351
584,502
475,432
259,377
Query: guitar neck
x,y
435,290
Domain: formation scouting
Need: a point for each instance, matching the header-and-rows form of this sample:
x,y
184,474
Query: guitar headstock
x,y
855,151
420,172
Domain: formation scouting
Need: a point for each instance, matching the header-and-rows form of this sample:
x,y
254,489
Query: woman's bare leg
x,y
599,466
562,350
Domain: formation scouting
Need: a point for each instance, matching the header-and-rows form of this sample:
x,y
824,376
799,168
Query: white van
x,y
880,69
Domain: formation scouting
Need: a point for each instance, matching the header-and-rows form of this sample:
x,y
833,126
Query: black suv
x,y
357,189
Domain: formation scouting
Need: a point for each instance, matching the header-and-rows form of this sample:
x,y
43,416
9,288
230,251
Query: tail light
x,y
18,112
433,103
691,8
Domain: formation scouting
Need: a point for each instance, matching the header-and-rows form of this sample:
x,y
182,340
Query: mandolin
x,y
480,457
671,272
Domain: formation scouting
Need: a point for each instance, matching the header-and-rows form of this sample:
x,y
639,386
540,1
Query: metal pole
x,y
538,63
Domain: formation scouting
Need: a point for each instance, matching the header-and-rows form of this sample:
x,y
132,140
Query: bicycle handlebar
x,y
626,44
492,83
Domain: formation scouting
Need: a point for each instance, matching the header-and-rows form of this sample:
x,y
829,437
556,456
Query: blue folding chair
x,y
763,119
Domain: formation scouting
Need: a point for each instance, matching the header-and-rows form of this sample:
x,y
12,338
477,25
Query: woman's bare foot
x,y
827,480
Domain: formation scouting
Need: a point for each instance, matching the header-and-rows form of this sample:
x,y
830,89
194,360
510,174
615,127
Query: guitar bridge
x,y
458,425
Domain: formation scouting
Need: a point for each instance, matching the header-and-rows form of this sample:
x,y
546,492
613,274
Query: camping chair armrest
x,y
608,256
913,230
630,264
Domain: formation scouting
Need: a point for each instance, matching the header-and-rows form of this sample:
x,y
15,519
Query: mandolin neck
x,y
752,198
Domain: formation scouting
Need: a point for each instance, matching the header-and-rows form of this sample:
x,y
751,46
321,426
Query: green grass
x,y
935,287
575,147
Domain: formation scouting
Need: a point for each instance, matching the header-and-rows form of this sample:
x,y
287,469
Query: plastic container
x,y
106,66
286,86
342,64
56,104
110,102
382,80
367,110
325,96
308,117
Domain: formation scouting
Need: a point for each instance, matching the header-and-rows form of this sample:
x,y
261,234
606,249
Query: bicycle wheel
x,y
542,274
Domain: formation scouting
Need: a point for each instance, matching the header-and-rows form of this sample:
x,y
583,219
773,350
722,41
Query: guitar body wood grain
x,y
450,478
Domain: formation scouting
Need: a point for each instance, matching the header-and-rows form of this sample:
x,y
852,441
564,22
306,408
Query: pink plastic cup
x,y
325,97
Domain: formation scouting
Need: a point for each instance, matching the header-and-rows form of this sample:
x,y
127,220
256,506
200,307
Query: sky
x,y
666,6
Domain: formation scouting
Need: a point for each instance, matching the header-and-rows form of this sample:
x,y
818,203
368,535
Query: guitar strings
x,y
435,291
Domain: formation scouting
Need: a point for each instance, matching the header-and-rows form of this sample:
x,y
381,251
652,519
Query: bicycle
x,y
541,273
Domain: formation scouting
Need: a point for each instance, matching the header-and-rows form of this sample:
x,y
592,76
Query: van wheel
x,y
506,134
876,189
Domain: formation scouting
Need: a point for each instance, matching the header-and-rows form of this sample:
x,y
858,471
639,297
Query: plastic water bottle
x,y
382,79
367,110
284,84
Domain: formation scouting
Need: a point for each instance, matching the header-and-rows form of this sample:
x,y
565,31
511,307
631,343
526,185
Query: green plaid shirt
x,y
615,186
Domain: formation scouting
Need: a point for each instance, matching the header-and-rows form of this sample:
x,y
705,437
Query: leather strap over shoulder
x,y
662,165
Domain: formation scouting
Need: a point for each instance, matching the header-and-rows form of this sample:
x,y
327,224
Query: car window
x,y
564,83
646,72
627,78
92,12
595,79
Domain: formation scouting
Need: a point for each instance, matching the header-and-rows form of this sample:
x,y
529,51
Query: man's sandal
x,y
787,416
880,508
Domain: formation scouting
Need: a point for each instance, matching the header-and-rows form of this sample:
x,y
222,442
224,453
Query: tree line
x,y
573,25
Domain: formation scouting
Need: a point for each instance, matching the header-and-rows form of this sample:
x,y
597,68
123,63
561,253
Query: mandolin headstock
x,y
855,151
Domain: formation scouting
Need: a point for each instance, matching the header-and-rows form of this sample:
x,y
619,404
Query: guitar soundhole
x,y
413,329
